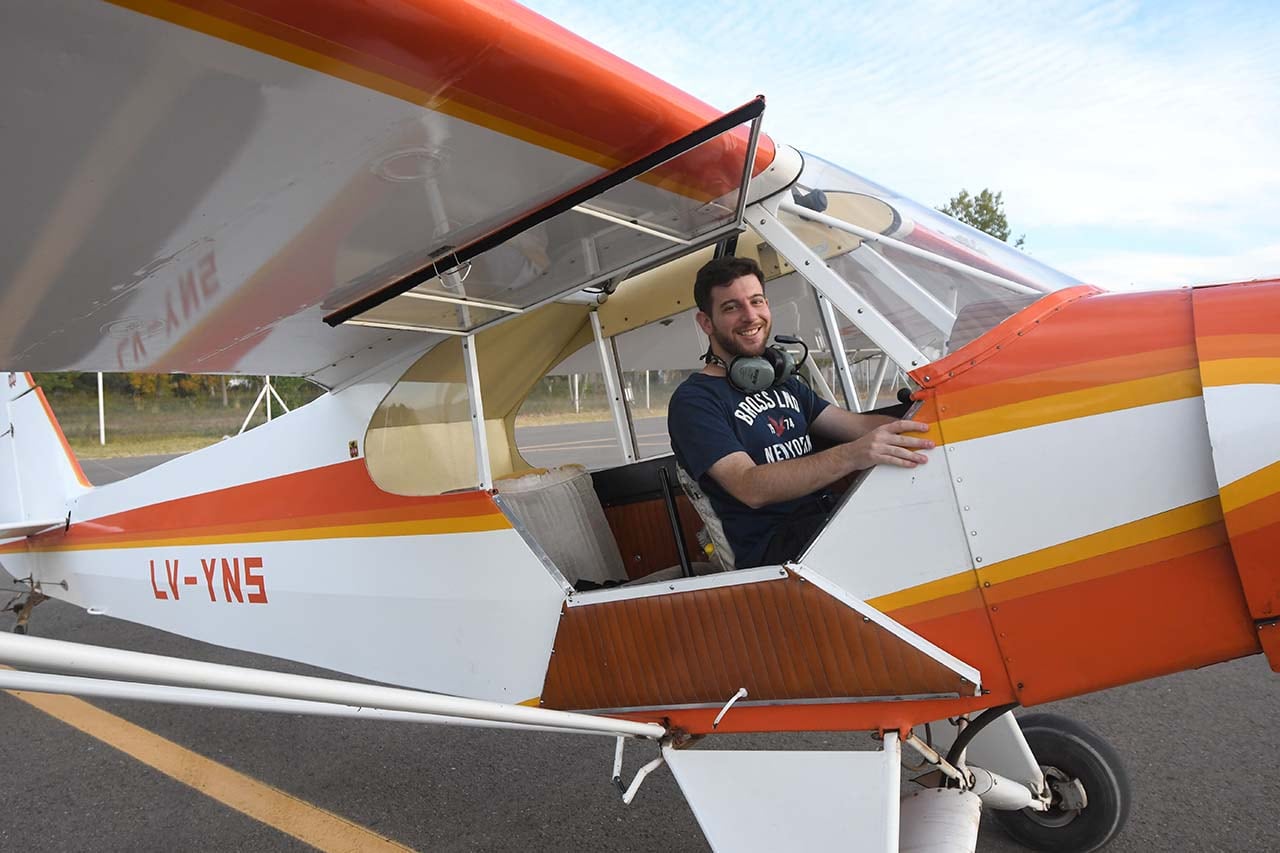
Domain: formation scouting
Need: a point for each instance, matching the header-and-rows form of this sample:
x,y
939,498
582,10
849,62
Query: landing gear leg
x,y
24,611
1090,788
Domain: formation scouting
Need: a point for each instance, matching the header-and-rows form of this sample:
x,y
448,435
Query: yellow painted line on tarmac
x,y
310,824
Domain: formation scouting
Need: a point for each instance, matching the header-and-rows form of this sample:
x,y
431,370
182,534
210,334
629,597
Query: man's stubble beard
x,y
730,345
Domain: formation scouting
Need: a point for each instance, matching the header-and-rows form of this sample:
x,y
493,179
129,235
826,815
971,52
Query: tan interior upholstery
x,y
722,553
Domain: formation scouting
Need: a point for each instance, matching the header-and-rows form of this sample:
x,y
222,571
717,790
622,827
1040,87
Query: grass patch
x,y
139,445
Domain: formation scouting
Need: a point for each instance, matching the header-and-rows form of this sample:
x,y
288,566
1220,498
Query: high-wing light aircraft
x,y
425,207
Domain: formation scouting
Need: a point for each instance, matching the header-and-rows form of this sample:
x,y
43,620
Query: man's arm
x,y
761,485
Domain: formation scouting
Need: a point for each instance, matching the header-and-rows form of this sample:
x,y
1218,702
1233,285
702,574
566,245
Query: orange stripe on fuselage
x,y
1065,379
1083,403
336,501
1085,327
1214,347
1184,530
1247,492
1240,309
1074,354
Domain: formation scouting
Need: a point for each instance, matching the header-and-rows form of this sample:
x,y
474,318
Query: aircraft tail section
x,y
39,475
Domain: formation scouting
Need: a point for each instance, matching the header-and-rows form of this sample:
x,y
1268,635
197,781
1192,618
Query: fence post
x,y
102,414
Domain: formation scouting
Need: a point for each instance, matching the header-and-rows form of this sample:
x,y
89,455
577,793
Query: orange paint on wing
x,y
497,65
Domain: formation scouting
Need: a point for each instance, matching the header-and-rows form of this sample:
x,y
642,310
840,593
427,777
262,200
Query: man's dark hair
x,y
718,273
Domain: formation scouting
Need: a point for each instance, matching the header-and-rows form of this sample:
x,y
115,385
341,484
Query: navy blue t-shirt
x,y
708,419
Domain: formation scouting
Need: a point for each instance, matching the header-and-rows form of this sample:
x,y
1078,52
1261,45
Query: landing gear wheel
x,y
1073,757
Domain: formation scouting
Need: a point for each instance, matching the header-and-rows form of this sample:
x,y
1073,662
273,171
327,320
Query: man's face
x,y
739,322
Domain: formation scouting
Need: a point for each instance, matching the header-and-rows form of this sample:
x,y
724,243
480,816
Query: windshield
x,y
939,281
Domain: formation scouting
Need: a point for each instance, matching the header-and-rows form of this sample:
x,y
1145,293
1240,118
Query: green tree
x,y
984,211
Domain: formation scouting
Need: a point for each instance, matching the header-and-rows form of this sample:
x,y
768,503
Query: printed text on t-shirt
x,y
765,401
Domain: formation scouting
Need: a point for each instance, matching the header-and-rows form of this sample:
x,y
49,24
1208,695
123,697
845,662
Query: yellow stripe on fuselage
x,y
1241,371
1195,516
1054,408
1250,488
1180,520
424,527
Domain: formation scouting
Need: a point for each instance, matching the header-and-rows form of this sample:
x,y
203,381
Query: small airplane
x,y
427,208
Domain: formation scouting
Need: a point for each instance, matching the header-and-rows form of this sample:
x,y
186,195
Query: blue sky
x,y
1136,144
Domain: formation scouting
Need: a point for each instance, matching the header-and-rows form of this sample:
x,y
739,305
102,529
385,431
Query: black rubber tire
x,y
1080,753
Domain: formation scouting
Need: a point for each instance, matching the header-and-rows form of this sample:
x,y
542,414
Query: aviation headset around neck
x,y
751,373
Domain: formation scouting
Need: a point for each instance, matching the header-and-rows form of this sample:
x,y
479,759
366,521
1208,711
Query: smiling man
x,y
748,441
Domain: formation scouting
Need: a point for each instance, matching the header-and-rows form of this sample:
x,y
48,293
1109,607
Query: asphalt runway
x,y
1200,748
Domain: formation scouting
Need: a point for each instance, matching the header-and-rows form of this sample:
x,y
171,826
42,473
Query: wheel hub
x,y
1068,799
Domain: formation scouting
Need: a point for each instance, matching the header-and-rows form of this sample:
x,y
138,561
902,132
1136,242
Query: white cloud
x,y
1141,270
1113,115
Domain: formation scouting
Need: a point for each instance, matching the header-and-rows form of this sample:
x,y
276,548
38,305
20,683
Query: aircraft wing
x,y
204,182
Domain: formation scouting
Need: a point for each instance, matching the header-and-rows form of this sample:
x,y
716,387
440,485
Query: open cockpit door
x,y
667,203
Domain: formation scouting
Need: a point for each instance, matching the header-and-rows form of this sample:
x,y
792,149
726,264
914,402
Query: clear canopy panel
x,y
683,203
939,281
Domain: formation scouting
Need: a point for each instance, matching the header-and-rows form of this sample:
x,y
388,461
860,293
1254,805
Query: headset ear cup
x,y
783,363
751,373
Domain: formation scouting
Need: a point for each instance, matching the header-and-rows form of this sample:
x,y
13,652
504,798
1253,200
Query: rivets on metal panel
x,y
987,584
959,479
973,533
866,618
1019,685
994,608
966,509
977,559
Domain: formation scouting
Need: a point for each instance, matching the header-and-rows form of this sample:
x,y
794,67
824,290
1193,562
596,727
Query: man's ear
x,y
704,322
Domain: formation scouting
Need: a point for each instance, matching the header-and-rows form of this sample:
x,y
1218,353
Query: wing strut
x,y
158,678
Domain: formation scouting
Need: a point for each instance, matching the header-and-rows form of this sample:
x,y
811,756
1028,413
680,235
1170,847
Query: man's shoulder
x,y
698,385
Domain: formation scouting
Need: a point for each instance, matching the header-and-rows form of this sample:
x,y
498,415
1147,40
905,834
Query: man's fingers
x,y
906,426
901,456
912,441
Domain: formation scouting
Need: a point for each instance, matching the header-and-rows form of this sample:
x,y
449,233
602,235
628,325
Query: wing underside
x,y
204,182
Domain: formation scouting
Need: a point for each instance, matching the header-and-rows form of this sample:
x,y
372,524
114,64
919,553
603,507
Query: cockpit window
x,y
940,305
